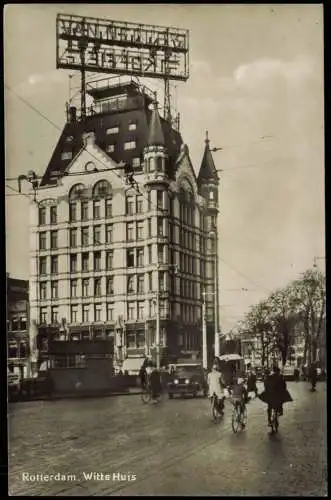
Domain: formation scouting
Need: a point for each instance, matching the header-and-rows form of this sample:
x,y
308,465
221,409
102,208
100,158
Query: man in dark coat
x,y
275,393
313,376
251,382
155,380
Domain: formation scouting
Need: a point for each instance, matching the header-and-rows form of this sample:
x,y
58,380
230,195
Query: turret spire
x,y
208,170
155,134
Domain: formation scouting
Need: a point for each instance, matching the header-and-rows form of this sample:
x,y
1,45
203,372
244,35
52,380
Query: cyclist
x,y
275,393
239,394
155,383
216,386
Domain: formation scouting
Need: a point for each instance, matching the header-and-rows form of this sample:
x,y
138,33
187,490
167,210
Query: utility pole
x,y
216,305
157,336
204,332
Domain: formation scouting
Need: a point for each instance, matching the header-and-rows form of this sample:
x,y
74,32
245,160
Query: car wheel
x,y
170,396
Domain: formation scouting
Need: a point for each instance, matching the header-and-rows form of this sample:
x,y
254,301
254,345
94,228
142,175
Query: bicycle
x,y
215,411
146,395
239,416
274,423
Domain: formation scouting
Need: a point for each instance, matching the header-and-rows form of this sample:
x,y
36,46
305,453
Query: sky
x,y
256,84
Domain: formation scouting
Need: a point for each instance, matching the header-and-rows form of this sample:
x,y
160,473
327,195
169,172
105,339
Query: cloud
x,y
265,70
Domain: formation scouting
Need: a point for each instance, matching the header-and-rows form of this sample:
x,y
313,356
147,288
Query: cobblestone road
x,y
172,448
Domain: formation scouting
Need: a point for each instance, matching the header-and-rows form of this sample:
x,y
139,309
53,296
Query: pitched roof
x,y
207,170
145,121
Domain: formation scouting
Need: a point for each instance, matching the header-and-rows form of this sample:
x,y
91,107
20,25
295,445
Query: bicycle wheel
x,y
236,419
146,396
244,417
274,421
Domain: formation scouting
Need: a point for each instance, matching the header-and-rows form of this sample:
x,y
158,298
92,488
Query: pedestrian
x,y
251,382
296,374
313,376
155,381
275,393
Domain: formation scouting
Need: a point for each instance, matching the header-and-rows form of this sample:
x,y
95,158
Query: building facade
x,y
119,220
17,326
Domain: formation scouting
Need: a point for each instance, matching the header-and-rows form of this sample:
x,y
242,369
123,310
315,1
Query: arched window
x,y
102,189
76,192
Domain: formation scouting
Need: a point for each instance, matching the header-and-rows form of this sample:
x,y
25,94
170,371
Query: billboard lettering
x,y
101,46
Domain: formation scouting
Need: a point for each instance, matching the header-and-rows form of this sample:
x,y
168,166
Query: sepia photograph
x,y
165,249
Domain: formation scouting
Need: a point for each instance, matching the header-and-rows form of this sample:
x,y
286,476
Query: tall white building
x,y
119,215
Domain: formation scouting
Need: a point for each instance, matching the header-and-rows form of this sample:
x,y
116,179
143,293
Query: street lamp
x,y
213,234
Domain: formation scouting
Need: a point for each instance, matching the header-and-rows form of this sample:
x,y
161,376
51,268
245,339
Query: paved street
x,y
172,448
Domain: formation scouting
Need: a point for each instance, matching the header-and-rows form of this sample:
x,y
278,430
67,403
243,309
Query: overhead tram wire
x,y
245,277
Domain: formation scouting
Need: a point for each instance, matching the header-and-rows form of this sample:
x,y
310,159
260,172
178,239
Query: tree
x,y
257,322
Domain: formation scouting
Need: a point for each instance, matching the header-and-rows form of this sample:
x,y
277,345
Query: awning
x,y
231,357
132,364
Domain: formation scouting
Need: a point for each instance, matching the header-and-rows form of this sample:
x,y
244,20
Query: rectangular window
x,y
73,263
130,258
140,230
110,312
150,281
136,163
140,204
54,315
73,238
109,233
97,312
140,283
132,126
149,201
54,289
53,239
109,208
86,287
42,216
73,288
130,205
130,231
129,145
43,290
42,240
140,257
96,210
73,314
85,236
159,198
131,283
84,210
160,253
131,310
43,315
112,130
162,281
97,235
42,265
97,261
53,215
150,254
73,212
141,310
86,313
149,227
97,287
110,285
85,262
110,148
160,230
54,264
109,260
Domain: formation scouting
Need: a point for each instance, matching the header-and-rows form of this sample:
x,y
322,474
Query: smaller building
x,y
17,326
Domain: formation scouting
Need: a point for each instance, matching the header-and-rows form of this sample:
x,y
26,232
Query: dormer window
x,y
69,138
66,155
112,130
136,162
129,145
110,148
132,126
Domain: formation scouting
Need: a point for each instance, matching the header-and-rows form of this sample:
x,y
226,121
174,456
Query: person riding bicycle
x,y
144,372
155,382
275,393
216,386
239,394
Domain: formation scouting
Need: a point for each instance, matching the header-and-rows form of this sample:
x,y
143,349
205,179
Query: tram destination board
x,y
104,46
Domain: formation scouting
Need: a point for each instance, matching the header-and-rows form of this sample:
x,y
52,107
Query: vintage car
x,y
188,378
